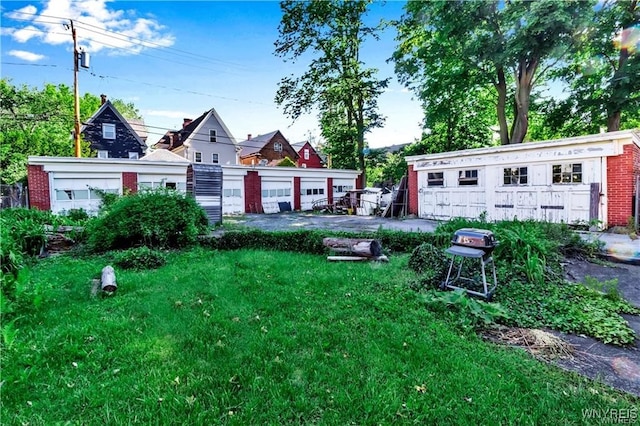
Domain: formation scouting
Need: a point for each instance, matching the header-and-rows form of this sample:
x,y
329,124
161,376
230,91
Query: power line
x,y
123,37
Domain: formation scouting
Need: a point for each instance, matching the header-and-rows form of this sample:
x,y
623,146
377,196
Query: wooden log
x,y
382,258
354,246
108,281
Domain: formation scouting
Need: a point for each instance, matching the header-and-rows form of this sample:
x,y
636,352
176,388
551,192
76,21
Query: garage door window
x,y
515,176
435,179
567,173
468,178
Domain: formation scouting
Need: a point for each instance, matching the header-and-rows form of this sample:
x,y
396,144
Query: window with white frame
x,y
468,177
567,173
213,135
197,157
435,179
103,154
108,131
277,146
133,155
215,158
515,176
306,154
304,165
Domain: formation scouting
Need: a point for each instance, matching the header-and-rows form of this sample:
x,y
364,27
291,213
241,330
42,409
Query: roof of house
x,y
299,145
164,155
124,121
255,144
139,127
193,127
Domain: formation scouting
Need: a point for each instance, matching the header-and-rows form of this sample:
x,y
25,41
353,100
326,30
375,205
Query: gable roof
x,y
195,125
164,155
184,134
299,145
254,145
123,120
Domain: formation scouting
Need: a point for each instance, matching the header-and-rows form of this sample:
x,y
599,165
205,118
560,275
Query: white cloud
x,y
26,56
98,26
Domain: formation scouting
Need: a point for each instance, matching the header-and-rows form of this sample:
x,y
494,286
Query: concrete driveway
x,y
305,220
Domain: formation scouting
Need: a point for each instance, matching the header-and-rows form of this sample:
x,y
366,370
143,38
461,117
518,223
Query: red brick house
x,y
266,150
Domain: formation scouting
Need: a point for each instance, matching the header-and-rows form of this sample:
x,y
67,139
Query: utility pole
x,y
76,96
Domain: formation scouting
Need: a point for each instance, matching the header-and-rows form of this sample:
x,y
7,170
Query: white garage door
x,y
232,196
81,193
312,190
341,186
275,192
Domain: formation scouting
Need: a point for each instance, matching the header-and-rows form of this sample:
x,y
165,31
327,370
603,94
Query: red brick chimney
x,y
103,99
186,122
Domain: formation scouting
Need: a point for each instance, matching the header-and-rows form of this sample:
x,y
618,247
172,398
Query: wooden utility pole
x,y
76,96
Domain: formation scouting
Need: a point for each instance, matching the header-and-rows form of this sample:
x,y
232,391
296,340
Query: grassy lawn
x,y
259,337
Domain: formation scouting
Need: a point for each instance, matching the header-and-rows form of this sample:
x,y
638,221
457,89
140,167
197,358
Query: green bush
x,y
160,218
430,263
77,216
140,258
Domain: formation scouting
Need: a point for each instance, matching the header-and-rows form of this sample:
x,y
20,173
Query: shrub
x,y
77,215
430,263
160,218
140,258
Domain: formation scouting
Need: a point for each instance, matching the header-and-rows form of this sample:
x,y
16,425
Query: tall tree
x,y
604,75
336,83
506,46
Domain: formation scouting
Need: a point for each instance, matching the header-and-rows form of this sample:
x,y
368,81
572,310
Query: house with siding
x,y
307,155
203,140
593,179
266,150
111,136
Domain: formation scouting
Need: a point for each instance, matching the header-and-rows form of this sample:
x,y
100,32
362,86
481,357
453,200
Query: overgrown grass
x,y
258,337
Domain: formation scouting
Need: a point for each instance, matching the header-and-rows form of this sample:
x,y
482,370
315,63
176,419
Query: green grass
x,y
259,337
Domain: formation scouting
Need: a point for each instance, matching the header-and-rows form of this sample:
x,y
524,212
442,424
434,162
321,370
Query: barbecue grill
x,y
471,243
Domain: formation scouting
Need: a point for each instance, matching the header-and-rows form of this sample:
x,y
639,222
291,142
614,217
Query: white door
x,y
232,196
312,190
275,192
81,193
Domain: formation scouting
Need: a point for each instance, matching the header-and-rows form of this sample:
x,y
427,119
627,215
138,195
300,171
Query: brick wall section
x,y
412,186
297,205
621,170
252,193
330,190
39,191
129,182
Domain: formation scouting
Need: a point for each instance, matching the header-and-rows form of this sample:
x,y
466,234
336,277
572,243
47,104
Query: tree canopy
x,y
336,82
40,122
452,53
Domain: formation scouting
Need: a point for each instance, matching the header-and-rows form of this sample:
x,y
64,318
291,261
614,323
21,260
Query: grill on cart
x,y
471,243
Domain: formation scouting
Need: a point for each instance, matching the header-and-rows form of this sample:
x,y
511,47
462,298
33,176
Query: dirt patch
x,y
615,366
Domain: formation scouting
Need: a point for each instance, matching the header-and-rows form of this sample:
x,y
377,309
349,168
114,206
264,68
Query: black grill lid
x,y
471,237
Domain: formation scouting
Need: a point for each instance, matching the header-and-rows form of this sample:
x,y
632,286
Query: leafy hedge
x,y
161,218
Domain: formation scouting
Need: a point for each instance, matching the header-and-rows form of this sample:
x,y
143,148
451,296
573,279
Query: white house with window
x,y
575,180
203,140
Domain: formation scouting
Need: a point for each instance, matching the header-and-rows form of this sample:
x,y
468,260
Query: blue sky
x,y
177,59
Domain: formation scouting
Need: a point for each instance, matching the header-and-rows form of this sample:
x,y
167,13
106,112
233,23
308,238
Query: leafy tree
x,y
451,52
336,82
40,122
604,74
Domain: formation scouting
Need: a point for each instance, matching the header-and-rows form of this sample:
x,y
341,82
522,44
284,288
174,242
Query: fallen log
x,y
359,247
382,258
108,281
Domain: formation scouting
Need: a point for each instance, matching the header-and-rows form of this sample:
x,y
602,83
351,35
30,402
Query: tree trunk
x,y
501,87
524,78
360,247
613,121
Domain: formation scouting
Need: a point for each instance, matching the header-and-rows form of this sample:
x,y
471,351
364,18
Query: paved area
x,y
617,247
305,220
